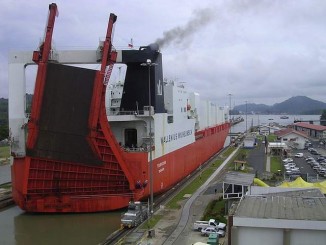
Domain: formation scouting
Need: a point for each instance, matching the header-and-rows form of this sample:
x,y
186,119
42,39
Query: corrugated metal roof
x,y
238,178
311,126
287,131
283,207
283,191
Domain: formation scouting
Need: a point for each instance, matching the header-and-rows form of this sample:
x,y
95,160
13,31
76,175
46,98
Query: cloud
x,y
259,51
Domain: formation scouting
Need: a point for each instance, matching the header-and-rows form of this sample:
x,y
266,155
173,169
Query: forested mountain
x,y
295,105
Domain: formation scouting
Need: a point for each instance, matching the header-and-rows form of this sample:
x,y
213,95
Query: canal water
x,y
255,120
20,228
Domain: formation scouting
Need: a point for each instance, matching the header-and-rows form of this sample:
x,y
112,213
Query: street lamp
x,y
231,122
246,116
149,64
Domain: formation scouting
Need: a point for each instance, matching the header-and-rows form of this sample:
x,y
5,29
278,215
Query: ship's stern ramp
x,y
63,122
65,171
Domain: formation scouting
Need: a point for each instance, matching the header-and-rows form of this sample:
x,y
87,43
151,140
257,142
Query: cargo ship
x,y
90,144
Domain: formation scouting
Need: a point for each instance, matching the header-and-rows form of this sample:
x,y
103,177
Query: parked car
x,y
286,160
298,155
308,144
314,163
200,225
211,230
311,161
292,172
323,164
292,168
296,172
316,167
321,171
314,152
309,158
290,164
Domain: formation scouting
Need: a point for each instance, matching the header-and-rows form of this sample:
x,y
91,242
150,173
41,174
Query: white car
x,y
309,158
291,173
211,230
287,160
298,155
290,164
293,169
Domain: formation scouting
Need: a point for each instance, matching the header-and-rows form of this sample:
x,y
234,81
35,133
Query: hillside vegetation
x,y
298,105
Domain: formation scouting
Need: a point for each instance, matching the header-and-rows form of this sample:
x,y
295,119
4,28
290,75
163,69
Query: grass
x,y
276,164
192,187
6,186
4,151
151,222
215,210
271,137
197,182
228,151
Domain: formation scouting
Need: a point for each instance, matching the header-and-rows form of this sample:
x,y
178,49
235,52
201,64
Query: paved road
x,y
257,158
181,233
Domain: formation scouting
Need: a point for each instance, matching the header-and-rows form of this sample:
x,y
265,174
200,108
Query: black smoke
x,y
181,34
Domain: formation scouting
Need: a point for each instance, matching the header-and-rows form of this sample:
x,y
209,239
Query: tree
x,y
323,118
4,132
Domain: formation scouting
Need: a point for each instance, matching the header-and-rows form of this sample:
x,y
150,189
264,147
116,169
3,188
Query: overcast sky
x,y
260,51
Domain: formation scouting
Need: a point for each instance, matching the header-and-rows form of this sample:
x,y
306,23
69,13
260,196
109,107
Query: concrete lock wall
x,y
304,237
256,236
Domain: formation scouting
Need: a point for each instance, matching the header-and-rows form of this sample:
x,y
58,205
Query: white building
x,y
267,129
249,141
279,216
292,138
276,148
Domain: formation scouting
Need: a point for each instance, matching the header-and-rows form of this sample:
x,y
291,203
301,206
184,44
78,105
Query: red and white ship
x,y
87,144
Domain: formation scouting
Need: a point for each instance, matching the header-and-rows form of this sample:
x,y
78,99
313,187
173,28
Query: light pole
x,y
230,119
246,116
149,64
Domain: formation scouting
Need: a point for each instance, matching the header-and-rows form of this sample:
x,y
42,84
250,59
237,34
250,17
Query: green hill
x,y
300,105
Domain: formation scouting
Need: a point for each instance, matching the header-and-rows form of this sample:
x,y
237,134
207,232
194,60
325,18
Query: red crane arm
x,y
108,58
41,58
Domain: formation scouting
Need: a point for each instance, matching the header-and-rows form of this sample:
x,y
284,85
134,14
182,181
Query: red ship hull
x,y
33,179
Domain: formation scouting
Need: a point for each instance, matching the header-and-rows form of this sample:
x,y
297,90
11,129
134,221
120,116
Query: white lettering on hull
x,y
176,136
160,166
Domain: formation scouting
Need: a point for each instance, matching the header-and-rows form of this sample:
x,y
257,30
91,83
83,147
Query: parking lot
x,y
306,170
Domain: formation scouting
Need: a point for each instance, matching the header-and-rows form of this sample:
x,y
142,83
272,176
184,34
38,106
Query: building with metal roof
x,y
293,138
315,131
236,184
279,216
